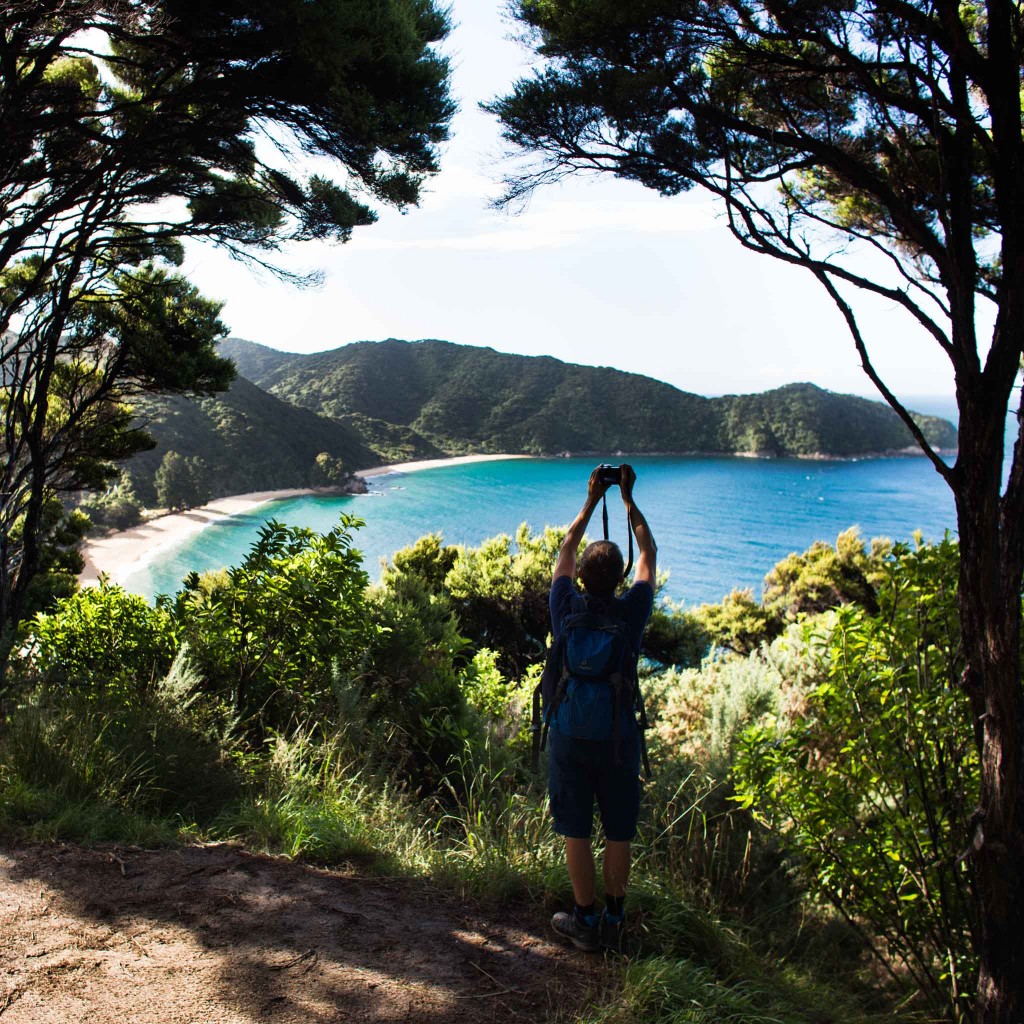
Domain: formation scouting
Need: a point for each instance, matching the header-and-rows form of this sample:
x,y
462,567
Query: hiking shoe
x,y
582,932
613,936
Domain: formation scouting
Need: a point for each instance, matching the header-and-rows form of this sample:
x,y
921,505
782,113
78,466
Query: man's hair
x,y
601,567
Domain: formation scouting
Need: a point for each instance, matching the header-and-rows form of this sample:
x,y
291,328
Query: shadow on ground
x,y
217,935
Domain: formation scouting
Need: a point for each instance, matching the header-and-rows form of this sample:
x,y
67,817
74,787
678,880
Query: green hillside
x,y
391,401
458,398
249,439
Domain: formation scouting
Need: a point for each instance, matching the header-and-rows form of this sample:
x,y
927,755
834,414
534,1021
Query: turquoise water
x,y
719,522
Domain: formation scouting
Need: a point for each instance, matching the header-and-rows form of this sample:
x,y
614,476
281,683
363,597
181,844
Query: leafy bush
x,y
675,637
271,635
60,562
825,577
500,592
739,623
182,482
875,784
118,506
410,681
505,705
692,831
428,560
99,640
801,585
701,714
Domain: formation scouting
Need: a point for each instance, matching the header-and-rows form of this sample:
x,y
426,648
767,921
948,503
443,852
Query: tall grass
x,y
82,766
496,837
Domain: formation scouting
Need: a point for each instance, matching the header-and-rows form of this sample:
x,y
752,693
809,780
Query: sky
x,y
601,272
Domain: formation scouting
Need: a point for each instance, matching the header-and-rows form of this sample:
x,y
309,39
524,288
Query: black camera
x,y
609,474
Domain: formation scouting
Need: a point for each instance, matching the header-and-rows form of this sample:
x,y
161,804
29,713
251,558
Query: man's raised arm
x,y
566,564
646,563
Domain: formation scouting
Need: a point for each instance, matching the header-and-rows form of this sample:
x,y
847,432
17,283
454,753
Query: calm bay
x,y
720,523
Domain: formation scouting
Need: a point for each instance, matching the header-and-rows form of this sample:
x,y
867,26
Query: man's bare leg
x,y
615,867
579,858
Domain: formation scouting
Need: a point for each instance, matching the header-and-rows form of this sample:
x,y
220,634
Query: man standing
x,y
582,770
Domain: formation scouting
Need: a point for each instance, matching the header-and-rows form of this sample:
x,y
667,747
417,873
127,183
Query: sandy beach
x,y
120,554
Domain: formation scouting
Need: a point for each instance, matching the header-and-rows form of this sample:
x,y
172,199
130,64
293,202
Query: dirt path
x,y
215,935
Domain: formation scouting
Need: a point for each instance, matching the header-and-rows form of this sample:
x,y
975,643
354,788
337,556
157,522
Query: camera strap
x,y
629,531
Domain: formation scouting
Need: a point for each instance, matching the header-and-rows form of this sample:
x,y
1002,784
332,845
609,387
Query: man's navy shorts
x,y
582,771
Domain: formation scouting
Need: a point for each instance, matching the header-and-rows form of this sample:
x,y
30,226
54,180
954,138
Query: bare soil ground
x,y
216,935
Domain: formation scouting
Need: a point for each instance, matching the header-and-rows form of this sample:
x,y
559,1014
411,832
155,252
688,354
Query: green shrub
x,y
500,592
700,714
739,623
117,507
162,752
98,641
875,783
825,577
428,560
410,683
675,637
271,635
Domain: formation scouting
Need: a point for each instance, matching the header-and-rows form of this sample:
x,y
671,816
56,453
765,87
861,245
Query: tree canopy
x,y
132,128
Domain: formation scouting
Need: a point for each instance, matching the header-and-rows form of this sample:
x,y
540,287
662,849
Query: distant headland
x,y
375,403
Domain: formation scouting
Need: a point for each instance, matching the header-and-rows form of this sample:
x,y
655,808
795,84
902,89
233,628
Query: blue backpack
x,y
589,685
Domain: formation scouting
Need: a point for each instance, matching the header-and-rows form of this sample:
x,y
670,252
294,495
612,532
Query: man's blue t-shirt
x,y
634,608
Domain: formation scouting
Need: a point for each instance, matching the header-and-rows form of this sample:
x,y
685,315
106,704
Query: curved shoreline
x,y
120,554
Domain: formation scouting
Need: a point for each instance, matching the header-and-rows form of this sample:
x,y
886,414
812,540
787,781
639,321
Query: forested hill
x,y
248,439
409,398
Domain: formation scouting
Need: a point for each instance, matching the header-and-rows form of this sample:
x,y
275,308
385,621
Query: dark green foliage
x,y
458,398
409,682
164,330
801,585
173,482
675,637
391,442
128,129
328,471
158,752
299,703
67,422
60,560
429,560
500,592
270,636
182,482
356,82
250,441
876,780
824,577
804,419
739,623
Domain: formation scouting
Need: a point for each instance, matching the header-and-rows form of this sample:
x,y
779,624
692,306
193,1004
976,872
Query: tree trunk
x,y
990,601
